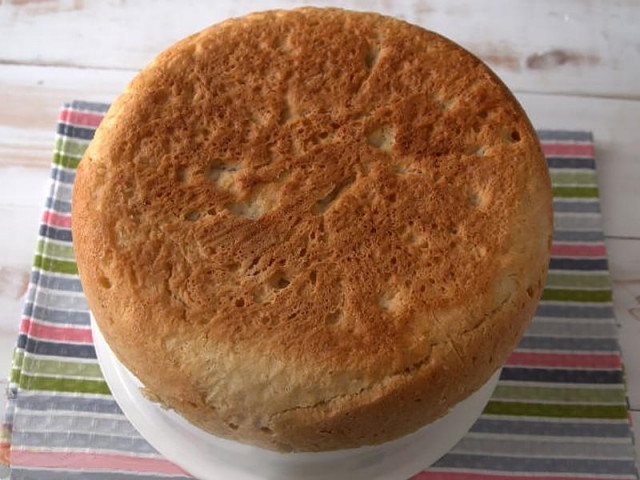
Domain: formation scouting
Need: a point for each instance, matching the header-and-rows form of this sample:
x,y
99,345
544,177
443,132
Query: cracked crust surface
x,y
313,229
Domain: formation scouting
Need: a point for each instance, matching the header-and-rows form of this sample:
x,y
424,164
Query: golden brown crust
x,y
313,229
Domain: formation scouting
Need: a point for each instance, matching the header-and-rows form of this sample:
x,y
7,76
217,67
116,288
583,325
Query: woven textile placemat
x,y
559,411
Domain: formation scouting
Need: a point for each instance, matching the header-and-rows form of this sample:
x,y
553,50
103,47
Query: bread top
x,y
298,215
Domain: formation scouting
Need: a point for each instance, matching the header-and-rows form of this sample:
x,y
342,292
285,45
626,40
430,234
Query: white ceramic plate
x,y
208,457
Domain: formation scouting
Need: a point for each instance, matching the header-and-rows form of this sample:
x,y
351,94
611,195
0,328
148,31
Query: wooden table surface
x,y
574,64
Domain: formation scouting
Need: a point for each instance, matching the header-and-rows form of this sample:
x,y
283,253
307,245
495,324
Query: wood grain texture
x,y
31,98
588,47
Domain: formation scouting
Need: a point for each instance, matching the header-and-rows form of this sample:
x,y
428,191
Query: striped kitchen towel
x,y
559,411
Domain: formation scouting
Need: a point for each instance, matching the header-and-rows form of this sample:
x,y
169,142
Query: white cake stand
x,y
208,457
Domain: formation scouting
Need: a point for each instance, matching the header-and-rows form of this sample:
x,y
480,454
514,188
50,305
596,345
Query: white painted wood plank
x,y
31,98
586,47
13,285
624,265
18,241
627,308
17,245
20,218
23,187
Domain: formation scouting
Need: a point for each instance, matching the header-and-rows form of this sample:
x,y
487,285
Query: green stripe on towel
x,y
57,266
555,410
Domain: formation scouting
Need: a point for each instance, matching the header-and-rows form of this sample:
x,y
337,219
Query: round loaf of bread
x,y
313,229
